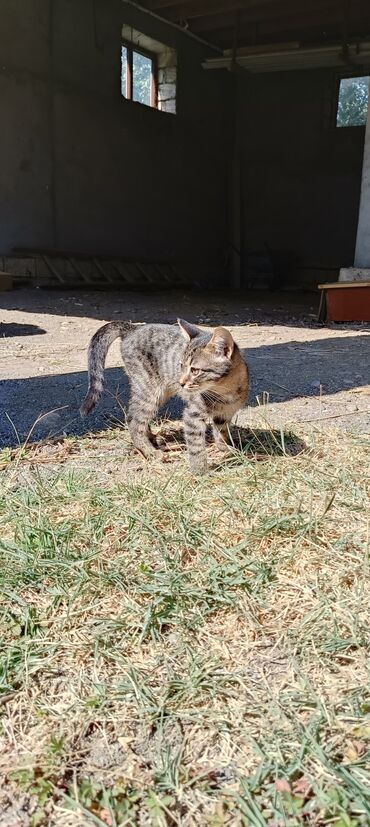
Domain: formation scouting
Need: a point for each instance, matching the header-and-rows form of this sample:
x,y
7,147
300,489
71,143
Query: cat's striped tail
x,y
98,349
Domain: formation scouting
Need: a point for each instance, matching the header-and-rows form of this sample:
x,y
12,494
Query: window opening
x,y
139,76
353,101
148,71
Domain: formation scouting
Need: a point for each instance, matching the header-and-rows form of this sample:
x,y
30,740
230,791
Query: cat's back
x,y
157,336
158,345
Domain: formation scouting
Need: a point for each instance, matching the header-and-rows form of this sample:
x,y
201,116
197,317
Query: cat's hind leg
x,y
141,410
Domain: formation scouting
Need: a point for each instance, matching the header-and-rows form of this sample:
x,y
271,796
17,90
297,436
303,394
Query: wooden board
x,y
351,305
6,281
344,285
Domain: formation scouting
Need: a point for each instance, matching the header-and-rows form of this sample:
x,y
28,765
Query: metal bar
x,y
163,275
79,271
52,269
173,25
121,275
129,74
101,270
321,316
143,273
176,275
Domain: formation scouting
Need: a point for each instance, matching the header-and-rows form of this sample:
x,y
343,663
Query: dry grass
x,y
180,651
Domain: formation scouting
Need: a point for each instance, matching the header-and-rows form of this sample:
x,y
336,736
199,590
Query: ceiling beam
x,y
249,36
320,10
159,5
192,9
185,8
265,20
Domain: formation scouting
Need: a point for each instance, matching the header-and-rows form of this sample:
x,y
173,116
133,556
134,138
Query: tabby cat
x,y
206,370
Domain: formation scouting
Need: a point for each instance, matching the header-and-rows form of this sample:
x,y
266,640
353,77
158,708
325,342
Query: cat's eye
x,y
194,371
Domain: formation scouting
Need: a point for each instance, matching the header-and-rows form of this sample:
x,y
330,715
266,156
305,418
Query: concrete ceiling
x,y
229,23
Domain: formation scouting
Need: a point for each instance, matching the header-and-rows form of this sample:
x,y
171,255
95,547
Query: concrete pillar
x,y
362,254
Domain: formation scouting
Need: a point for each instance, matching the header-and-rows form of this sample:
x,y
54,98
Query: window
x,y
139,76
148,71
353,101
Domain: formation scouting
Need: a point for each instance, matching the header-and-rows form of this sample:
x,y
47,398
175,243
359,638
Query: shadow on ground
x,y
14,329
252,442
45,406
228,307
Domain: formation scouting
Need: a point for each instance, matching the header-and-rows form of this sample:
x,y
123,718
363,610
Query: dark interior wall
x,y
81,168
25,135
301,174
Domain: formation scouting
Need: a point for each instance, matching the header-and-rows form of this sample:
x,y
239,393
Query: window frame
x,y
347,76
130,49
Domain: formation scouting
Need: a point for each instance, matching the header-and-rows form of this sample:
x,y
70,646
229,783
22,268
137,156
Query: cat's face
x,y
207,359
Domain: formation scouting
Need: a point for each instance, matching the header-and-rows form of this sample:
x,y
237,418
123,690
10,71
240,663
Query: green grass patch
x,y
186,651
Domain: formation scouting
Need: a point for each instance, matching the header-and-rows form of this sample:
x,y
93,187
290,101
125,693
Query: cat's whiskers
x,y
212,398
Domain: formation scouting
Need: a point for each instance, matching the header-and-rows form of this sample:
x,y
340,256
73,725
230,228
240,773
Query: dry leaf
x,y
354,750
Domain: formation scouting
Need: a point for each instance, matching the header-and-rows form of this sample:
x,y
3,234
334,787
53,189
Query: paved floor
x,y
306,372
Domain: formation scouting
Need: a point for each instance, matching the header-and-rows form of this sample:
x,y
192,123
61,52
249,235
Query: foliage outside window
x,y
353,101
138,76
148,70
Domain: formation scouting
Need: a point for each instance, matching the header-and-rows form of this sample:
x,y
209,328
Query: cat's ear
x,y
222,343
189,331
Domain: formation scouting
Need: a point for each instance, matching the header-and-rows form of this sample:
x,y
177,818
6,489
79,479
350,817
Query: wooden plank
x,y
163,276
321,316
79,271
31,252
122,276
101,270
92,270
175,276
343,285
6,281
143,272
53,270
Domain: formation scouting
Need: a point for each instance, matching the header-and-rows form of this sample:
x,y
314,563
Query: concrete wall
x,y
83,169
301,174
362,253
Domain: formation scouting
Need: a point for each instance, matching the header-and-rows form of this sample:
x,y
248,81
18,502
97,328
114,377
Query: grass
x,y
186,651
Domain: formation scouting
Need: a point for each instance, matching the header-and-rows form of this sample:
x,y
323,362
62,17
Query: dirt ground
x,y
301,371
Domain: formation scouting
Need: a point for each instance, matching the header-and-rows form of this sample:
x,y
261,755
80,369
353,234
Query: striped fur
x,y
206,370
